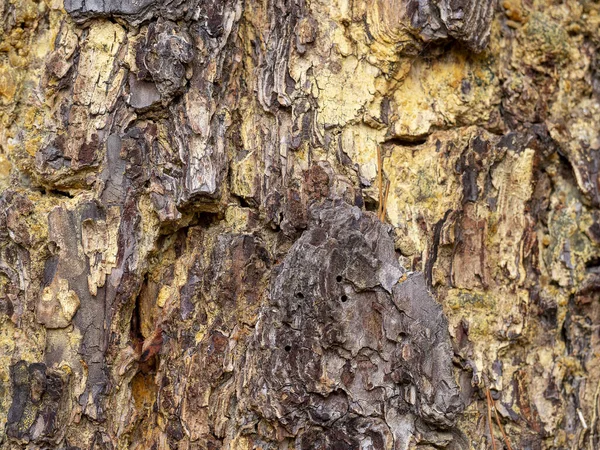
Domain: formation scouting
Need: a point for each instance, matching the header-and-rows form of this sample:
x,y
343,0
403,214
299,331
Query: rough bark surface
x,y
299,224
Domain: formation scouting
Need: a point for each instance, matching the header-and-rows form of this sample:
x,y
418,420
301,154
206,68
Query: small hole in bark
x,y
299,295
370,205
344,298
338,278
288,348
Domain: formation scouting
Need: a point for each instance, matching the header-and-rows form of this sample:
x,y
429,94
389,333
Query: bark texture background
x,y
190,255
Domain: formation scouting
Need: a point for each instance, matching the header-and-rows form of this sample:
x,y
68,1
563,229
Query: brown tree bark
x,y
299,224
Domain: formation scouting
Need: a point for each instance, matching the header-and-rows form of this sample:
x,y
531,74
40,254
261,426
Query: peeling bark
x,y
190,256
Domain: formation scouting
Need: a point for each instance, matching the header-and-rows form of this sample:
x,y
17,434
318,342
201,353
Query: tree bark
x,y
304,224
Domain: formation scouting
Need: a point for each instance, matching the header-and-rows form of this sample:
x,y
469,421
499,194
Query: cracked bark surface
x,y
345,354
190,256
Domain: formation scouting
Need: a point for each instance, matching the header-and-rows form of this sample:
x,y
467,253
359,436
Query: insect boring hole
x,y
288,348
338,278
344,298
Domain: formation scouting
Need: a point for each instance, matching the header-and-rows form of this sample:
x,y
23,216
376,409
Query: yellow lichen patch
x,y
544,360
244,176
150,226
360,143
546,41
5,168
58,304
241,442
99,240
568,247
163,295
455,89
421,192
7,346
15,39
375,31
461,300
335,82
98,74
8,85
144,391
25,122
237,218
513,181
496,312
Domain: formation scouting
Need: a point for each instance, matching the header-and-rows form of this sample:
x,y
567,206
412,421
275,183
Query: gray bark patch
x,y
350,350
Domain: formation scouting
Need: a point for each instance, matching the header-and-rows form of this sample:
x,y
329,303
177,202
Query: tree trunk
x,y
299,224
